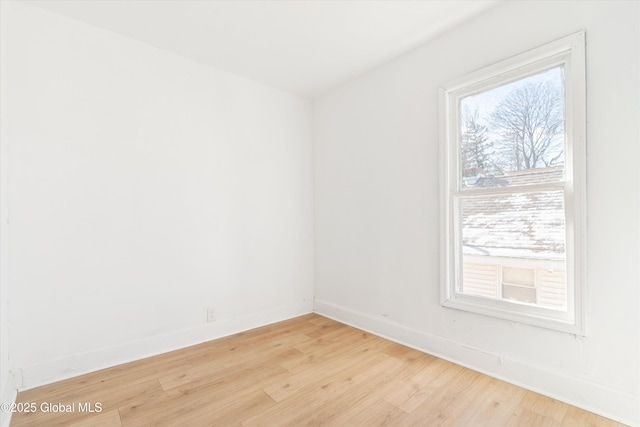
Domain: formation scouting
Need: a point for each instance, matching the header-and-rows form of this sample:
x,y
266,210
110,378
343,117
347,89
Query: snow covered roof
x,y
521,225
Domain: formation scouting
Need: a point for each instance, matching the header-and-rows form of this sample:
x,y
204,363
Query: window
x,y
513,188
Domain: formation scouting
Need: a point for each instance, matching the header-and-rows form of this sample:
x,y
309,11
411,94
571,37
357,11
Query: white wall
x,y
143,189
7,389
377,214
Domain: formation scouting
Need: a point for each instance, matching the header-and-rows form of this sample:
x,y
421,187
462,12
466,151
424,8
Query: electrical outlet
x,y
211,315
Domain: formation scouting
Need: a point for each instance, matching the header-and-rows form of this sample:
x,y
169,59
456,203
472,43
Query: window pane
x,y
514,242
514,134
516,293
518,276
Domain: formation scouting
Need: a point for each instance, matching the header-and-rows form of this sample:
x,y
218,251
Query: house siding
x,y
482,276
480,279
552,287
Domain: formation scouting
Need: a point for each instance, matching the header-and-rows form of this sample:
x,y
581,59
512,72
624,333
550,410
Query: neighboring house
x,y
514,245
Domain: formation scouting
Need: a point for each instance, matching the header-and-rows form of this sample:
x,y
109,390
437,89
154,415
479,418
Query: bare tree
x,y
530,120
475,144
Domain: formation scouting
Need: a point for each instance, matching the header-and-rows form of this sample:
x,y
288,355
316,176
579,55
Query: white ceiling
x,y
303,47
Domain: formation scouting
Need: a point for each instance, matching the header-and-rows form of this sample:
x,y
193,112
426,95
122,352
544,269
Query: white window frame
x,y
569,52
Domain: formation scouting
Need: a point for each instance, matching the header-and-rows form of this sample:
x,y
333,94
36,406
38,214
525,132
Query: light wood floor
x,y
305,371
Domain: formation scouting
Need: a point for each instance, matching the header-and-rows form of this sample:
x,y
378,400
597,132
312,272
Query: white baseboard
x,y
8,395
600,399
72,366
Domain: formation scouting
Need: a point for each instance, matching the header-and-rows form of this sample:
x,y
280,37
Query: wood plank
x,y
317,370
110,398
380,413
302,407
106,419
494,405
308,370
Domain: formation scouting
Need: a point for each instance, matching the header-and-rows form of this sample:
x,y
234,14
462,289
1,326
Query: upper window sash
x,y
472,87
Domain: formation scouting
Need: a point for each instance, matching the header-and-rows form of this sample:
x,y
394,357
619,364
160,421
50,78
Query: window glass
x,y
527,225
518,276
514,134
519,294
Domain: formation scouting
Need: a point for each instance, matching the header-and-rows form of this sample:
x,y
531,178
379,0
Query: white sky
x,y
485,102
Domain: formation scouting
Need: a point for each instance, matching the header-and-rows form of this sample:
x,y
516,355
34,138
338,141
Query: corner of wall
x,y
8,390
79,364
8,396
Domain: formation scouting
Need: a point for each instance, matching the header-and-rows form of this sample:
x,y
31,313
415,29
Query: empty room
x,y
341,213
